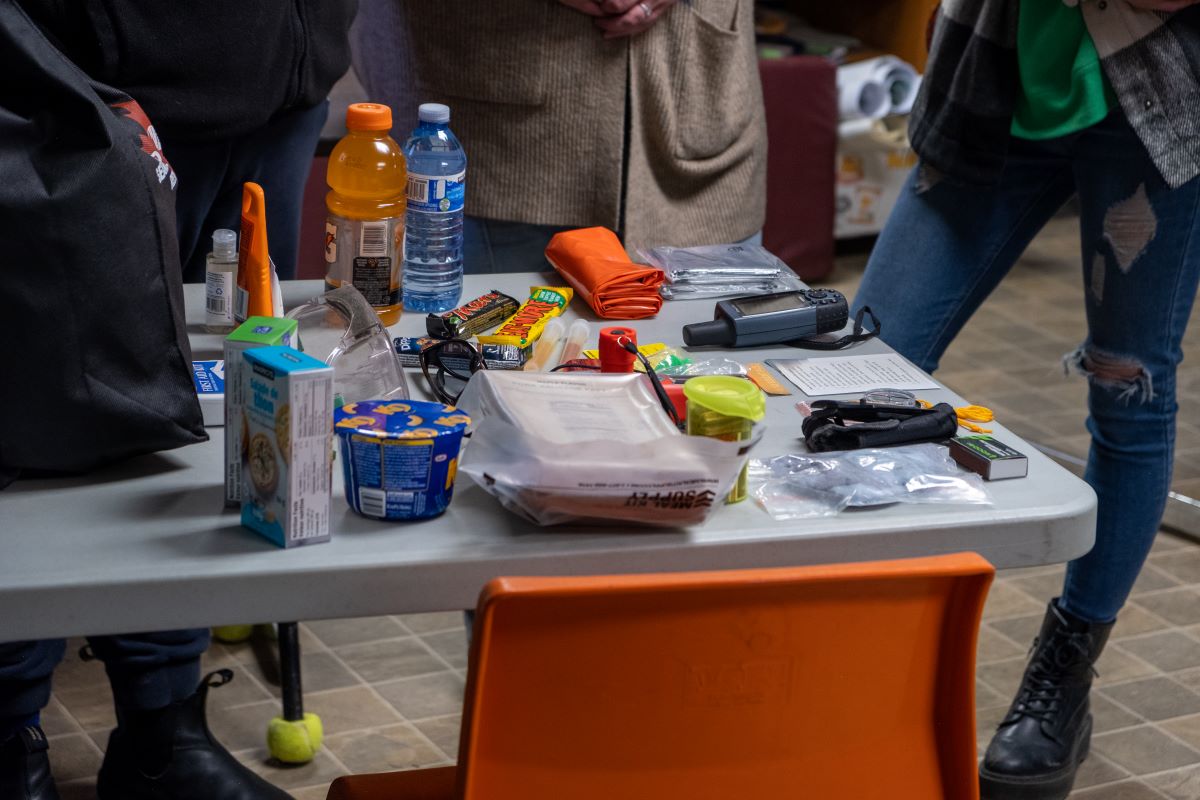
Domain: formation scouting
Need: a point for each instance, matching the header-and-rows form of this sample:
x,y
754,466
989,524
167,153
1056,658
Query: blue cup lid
x,y
400,419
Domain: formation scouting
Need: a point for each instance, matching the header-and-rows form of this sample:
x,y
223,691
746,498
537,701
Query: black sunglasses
x,y
447,365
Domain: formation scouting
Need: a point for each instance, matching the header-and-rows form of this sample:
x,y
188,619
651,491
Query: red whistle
x,y
613,355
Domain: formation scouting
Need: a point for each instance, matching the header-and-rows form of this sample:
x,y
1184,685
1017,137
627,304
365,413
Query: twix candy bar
x,y
525,326
482,313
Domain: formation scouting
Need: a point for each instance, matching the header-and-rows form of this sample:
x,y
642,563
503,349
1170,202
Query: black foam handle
x,y
716,332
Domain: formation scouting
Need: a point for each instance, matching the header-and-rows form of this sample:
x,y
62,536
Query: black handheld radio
x,y
771,318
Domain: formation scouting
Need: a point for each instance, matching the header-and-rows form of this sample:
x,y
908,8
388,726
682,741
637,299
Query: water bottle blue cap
x,y
434,112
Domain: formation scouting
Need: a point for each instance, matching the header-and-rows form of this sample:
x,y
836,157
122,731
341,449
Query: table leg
x,y
294,737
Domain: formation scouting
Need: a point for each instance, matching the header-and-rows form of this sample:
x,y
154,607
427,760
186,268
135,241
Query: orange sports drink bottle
x,y
364,232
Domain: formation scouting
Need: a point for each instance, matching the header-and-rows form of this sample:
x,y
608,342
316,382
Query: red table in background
x,y
800,94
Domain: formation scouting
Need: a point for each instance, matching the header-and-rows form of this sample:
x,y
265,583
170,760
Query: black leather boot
x,y
170,754
1038,747
25,767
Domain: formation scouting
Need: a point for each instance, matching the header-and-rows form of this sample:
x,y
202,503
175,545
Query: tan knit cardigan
x,y
539,99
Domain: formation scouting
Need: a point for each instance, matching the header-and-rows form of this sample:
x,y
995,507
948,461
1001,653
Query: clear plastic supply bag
x,y
723,270
561,447
802,485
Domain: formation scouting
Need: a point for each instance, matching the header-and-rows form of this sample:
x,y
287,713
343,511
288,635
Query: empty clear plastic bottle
x,y
433,241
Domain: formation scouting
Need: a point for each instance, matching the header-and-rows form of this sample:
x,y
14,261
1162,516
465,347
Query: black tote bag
x,y
94,356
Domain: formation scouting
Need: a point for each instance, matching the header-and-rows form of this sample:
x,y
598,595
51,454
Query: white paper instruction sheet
x,y
818,377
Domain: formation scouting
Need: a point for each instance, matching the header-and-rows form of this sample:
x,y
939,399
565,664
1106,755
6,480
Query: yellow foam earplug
x,y
232,634
968,416
295,742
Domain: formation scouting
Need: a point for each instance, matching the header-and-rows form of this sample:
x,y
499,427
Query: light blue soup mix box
x,y
254,332
289,430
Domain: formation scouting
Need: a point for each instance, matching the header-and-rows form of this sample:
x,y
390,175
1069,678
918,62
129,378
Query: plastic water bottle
x,y
433,240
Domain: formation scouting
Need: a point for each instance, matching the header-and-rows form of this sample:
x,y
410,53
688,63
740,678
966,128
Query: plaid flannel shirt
x,y
962,119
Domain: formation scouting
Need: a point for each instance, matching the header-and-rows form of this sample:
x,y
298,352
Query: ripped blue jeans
x,y
946,247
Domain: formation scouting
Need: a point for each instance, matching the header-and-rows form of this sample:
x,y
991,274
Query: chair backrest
x,y
840,682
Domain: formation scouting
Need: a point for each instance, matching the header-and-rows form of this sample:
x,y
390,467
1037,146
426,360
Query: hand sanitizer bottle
x,y
220,282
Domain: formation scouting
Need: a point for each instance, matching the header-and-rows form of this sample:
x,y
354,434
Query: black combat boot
x,y
169,754
25,766
1038,747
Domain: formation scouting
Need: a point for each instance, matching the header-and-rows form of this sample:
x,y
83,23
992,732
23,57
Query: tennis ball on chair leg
x,y
232,634
295,742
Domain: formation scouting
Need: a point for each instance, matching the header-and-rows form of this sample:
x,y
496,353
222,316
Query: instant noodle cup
x,y
399,458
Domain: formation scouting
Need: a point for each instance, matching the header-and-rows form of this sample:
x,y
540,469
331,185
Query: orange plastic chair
x,y
840,682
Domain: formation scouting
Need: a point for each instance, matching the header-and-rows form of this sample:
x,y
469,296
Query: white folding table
x,y
147,545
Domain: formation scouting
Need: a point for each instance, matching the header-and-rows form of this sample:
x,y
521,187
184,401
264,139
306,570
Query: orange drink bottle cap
x,y
368,117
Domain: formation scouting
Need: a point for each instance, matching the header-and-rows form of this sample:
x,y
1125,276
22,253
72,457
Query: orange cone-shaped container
x,y
254,297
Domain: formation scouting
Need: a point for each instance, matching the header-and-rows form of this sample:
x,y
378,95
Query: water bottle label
x,y
439,194
366,254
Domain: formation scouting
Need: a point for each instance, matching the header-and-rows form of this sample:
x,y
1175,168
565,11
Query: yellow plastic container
x,y
364,232
724,407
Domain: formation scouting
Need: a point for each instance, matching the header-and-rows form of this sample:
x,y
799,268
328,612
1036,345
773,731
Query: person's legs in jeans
x,y
25,672
942,253
491,246
162,746
1141,265
151,670
1140,270
147,672
945,247
201,169
209,196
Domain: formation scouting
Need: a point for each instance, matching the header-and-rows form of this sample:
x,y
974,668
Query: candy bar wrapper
x,y
524,327
481,314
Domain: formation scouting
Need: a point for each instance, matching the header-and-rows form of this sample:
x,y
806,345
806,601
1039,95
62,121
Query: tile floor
x,y
389,689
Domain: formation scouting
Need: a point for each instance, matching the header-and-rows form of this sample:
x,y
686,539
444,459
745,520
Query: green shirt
x,y
1062,87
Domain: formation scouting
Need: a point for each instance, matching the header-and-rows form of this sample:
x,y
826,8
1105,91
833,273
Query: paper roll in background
x,y
875,88
864,99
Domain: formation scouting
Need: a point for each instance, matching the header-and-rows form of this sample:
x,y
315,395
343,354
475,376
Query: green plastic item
x,y
728,396
265,331
725,407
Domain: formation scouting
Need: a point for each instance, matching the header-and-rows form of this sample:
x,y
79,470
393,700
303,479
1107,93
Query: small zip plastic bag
x,y
722,270
804,485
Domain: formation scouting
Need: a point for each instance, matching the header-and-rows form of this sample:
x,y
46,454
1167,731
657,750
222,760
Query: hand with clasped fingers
x,y
620,18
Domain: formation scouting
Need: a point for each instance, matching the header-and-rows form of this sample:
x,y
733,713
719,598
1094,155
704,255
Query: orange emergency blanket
x,y
593,261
